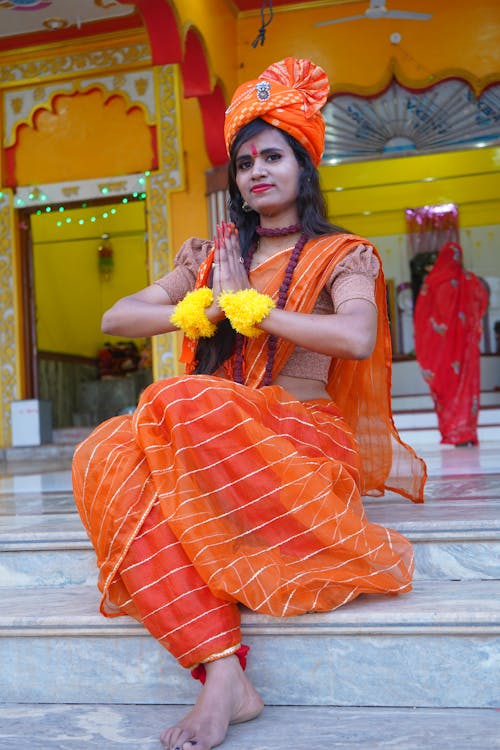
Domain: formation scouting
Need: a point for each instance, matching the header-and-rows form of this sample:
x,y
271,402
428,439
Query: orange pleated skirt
x,y
214,494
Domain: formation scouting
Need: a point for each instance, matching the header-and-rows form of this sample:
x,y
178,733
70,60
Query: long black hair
x,y
312,212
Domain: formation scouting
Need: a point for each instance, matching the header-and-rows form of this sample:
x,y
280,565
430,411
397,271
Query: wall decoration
x,y
165,348
116,139
400,121
20,106
428,229
105,257
63,192
65,66
9,362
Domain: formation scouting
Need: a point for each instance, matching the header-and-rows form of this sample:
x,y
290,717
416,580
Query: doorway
x,y
77,260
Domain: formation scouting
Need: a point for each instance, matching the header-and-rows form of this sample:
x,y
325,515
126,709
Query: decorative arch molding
x,y
10,370
22,106
15,73
402,120
396,72
52,146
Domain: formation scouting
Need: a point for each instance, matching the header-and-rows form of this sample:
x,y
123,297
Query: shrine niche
x,y
404,121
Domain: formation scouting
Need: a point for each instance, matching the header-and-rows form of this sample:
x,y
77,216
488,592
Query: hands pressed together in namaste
x,y
229,273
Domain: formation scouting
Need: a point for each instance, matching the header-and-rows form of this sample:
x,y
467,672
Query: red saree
x,y
448,315
214,493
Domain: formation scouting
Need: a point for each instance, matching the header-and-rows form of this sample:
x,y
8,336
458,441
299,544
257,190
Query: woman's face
x,y
267,175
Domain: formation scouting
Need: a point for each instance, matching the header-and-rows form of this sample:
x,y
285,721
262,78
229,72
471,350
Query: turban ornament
x,y
289,95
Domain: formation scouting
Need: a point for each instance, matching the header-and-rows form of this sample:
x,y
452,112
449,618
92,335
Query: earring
x,y
246,208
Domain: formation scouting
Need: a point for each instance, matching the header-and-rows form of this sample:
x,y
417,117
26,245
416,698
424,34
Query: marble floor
x,y
86,727
463,487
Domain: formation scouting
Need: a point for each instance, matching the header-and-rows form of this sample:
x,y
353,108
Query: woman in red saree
x,y
448,323
241,481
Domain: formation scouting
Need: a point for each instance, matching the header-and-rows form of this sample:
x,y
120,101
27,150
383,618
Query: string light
x,y
35,194
106,214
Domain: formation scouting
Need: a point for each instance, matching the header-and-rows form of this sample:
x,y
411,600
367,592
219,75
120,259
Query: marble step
x,y
424,402
453,539
405,420
425,436
84,727
436,646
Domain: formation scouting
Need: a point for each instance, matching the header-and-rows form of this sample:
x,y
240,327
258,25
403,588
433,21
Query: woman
x,y
241,482
448,322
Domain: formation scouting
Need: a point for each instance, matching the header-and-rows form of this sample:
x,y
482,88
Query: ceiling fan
x,y
376,10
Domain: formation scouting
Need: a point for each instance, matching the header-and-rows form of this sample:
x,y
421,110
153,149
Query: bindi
x,y
253,150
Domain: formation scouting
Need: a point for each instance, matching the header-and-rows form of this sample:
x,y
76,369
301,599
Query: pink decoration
x,y
430,227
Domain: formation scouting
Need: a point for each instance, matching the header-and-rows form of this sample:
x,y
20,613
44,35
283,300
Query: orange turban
x,y
289,95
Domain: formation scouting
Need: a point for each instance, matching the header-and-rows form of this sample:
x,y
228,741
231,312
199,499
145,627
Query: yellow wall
x,y
462,36
216,21
188,206
370,198
71,295
374,194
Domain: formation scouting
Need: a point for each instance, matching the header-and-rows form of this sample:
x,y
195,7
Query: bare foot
x,y
227,697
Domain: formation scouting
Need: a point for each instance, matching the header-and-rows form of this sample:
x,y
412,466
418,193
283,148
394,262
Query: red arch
x,y
161,25
163,31
213,109
194,68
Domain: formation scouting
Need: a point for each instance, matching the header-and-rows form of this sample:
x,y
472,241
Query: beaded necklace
x,y
282,297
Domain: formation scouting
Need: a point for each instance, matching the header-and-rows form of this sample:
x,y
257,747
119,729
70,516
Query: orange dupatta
x,y
361,388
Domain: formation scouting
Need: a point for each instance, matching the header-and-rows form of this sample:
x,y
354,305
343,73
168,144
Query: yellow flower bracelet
x,y
245,308
189,314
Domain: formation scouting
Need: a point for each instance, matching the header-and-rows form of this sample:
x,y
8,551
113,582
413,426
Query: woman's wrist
x,y
245,309
214,313
190,314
